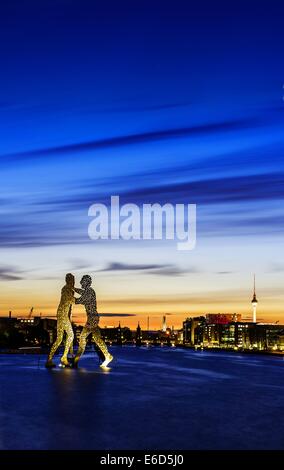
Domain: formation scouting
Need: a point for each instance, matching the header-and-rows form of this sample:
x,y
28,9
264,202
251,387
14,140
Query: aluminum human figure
x,y
64,322
88,298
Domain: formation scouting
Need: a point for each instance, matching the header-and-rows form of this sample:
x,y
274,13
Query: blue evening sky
x,y
155,102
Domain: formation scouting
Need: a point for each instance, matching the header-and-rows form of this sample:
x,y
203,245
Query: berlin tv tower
x,y
254,302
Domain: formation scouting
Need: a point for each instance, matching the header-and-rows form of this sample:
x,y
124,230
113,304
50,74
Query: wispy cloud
x,y
9,273
224,272
133,139
78,265
56,218
277,268
116,266
203,191
158,269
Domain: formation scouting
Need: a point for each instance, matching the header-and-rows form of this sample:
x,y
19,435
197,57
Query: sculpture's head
x,y
86,281
70,280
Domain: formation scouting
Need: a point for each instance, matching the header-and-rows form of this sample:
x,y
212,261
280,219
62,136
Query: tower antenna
x,y
254,302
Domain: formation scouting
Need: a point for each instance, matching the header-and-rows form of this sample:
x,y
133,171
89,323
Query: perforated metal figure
x,y
88,298
64,322
71,350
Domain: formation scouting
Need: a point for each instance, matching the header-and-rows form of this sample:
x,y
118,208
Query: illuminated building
x,y
116,335
270,336
138,336
180,336
243,335
222,318
212,334
119,335
233,335
193,330
19,332
228,335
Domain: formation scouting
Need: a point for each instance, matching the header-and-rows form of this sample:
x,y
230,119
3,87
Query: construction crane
x,y
31,312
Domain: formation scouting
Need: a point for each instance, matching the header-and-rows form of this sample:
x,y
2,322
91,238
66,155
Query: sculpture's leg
x,y
101,345
56,344
69,340
82,345
71,350
98,351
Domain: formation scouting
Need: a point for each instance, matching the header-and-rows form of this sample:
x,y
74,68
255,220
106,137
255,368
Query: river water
x,y
150,398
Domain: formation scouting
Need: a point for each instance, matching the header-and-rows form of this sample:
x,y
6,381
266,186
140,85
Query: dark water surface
x,y
156,398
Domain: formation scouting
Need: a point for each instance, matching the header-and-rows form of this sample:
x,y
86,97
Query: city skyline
x,y
210,331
